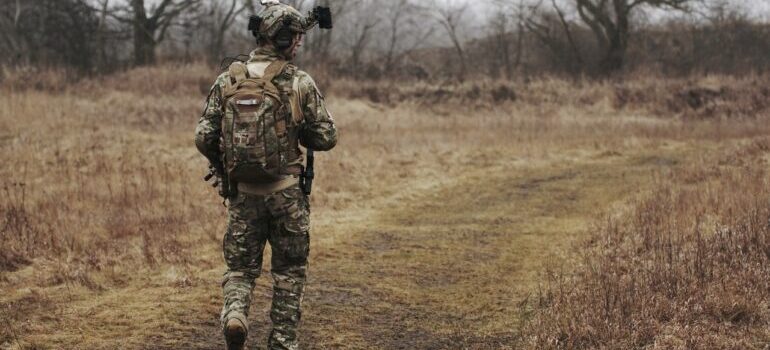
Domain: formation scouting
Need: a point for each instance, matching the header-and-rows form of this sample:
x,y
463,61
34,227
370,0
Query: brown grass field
x,y
546,214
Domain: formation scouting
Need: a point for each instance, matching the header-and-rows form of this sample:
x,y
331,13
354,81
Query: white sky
x,y
758,9
760,6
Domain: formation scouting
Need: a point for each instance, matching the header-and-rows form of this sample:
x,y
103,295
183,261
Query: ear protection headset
x,y
254,23
284,37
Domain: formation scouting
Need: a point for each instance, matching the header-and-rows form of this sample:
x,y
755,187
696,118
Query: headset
x,y
284,37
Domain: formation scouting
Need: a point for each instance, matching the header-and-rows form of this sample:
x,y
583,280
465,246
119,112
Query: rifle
x,y
306,180
221,181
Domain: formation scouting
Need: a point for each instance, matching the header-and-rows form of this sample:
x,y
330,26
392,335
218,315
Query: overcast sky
x,y
759,9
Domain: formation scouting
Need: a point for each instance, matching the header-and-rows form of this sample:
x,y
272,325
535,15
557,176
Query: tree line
x,y
417,39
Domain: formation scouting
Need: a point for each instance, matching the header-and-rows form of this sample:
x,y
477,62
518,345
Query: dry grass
x,y
95,195
86,171
688,267
107,229
703,97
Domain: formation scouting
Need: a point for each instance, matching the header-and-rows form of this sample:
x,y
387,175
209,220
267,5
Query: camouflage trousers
x,y
283,220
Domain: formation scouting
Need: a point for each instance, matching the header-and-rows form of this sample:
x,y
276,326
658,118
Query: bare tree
x,y
367,21
222,14
500,43
609,20
519,13
151,29
395,13
506,33
450,16
48,32
405,30
568,33
551,28
102,33
10,18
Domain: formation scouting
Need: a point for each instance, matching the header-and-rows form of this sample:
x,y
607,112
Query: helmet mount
x,y
322,15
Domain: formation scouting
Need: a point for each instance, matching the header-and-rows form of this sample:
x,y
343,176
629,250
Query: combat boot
x,y
235,332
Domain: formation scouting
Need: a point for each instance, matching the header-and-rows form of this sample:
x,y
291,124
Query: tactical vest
x,y
260,123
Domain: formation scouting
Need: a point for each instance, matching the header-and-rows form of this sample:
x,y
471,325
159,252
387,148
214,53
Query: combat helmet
x,y
279,22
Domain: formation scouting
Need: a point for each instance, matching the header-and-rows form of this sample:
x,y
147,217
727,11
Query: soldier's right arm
x,y
209,129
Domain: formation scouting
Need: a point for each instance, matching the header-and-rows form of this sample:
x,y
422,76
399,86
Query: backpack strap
x,y
238,72
289,96
274,69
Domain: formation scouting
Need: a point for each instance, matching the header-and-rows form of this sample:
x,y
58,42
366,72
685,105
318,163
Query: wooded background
x,y
405,39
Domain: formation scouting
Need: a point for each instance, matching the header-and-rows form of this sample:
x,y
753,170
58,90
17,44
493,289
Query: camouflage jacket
x,y
316,131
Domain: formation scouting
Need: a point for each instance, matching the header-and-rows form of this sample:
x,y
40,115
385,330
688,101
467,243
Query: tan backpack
x,y
256,142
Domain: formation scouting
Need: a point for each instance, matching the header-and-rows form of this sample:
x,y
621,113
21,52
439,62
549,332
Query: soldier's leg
x,y
244,243
290,243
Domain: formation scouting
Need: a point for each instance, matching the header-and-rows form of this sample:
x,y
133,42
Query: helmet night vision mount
x,y
322,16
279,22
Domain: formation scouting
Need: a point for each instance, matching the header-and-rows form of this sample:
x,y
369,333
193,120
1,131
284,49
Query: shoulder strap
x,y
271,71
237,72
274,69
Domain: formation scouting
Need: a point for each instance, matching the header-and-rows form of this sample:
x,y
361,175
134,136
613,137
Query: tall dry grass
x,y
90,178
96,165
688,267
698,97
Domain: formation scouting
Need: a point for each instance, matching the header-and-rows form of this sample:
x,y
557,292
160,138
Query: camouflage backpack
x,y
257,144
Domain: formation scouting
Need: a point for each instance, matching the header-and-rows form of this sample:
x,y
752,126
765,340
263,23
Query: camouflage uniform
x,y
280,218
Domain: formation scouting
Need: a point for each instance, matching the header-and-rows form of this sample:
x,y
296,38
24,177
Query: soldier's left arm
x,y
318,131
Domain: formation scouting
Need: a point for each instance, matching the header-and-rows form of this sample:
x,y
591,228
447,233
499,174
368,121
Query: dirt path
x,y
440,264
449,267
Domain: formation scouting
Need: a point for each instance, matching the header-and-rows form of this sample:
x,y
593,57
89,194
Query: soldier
x,y
257,115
